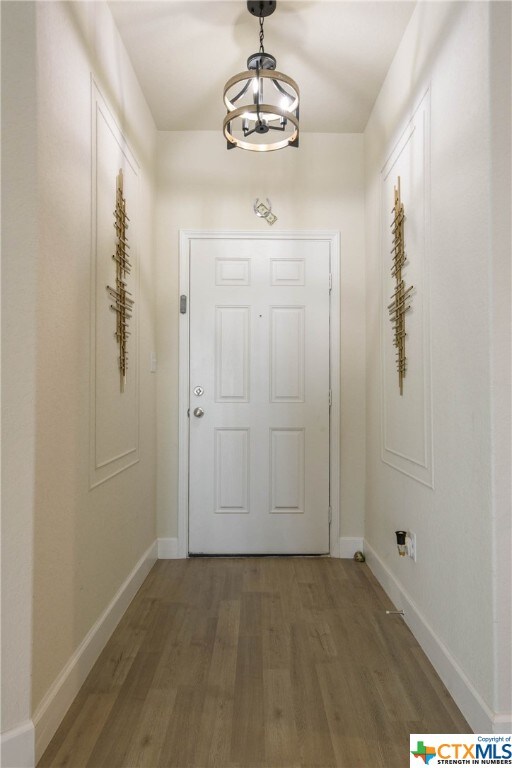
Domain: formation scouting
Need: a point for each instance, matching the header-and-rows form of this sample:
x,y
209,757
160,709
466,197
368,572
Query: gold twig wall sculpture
x,y
402,295
123,303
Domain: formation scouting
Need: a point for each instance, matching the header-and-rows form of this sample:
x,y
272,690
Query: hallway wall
x,y
200,185
457,595
19,266
87,538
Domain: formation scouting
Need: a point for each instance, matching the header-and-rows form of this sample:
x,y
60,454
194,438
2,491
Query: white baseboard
x,y
167,549
478,714
17,747
503,723
59,697
349,545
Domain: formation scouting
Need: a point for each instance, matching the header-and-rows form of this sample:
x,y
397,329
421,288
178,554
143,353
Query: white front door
x,y
259,396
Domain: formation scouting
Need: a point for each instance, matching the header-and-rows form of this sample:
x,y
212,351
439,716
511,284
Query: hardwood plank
x,y
251,614
148,737
180,743
280,729
73,751
186,660
248,733
116,659
321,641
313,730
255,663
348,708
439,712
289,590
276,633
176,639
114,740
233,579
214,741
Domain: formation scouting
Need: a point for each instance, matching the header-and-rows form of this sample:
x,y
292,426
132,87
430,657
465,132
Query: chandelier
x,y
261,101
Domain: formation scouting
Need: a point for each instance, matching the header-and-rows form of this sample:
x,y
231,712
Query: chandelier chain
x,y
262,34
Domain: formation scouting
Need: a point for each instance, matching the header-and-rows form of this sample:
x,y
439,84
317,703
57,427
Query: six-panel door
x,y
259,352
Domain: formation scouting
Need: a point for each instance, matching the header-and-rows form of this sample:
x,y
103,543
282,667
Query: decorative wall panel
x,y
287,354
407,418
231,462
287,471
114,415
232,354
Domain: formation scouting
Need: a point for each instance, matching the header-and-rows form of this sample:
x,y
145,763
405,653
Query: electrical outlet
x,y
410,541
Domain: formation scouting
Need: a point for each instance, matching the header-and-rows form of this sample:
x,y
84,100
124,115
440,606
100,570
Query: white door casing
x,y
261,339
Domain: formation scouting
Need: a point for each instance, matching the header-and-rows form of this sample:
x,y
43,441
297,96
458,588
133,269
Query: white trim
x,y
101,472
167,549
183,396
17,746
479,715
59,697
335,373
421,470
502,723
184,285
349,545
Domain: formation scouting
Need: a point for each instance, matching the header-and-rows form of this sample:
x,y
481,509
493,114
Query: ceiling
x,y
184,51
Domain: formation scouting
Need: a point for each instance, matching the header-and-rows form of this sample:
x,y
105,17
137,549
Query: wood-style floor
x,y
257,663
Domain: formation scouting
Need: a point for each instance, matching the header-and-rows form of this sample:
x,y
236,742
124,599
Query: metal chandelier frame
x,y
251,116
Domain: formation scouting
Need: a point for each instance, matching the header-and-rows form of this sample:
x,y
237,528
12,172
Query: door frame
x,y
185,242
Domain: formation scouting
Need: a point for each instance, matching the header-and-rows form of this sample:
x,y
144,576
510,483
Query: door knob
x,y
198,412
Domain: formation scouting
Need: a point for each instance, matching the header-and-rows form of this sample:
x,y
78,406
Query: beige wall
x,y
200,185
500,284
19,267
86,542
452,586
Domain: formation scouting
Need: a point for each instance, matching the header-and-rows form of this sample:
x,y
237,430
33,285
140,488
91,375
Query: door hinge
x,y
330,282
330,515
183,305
330,398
